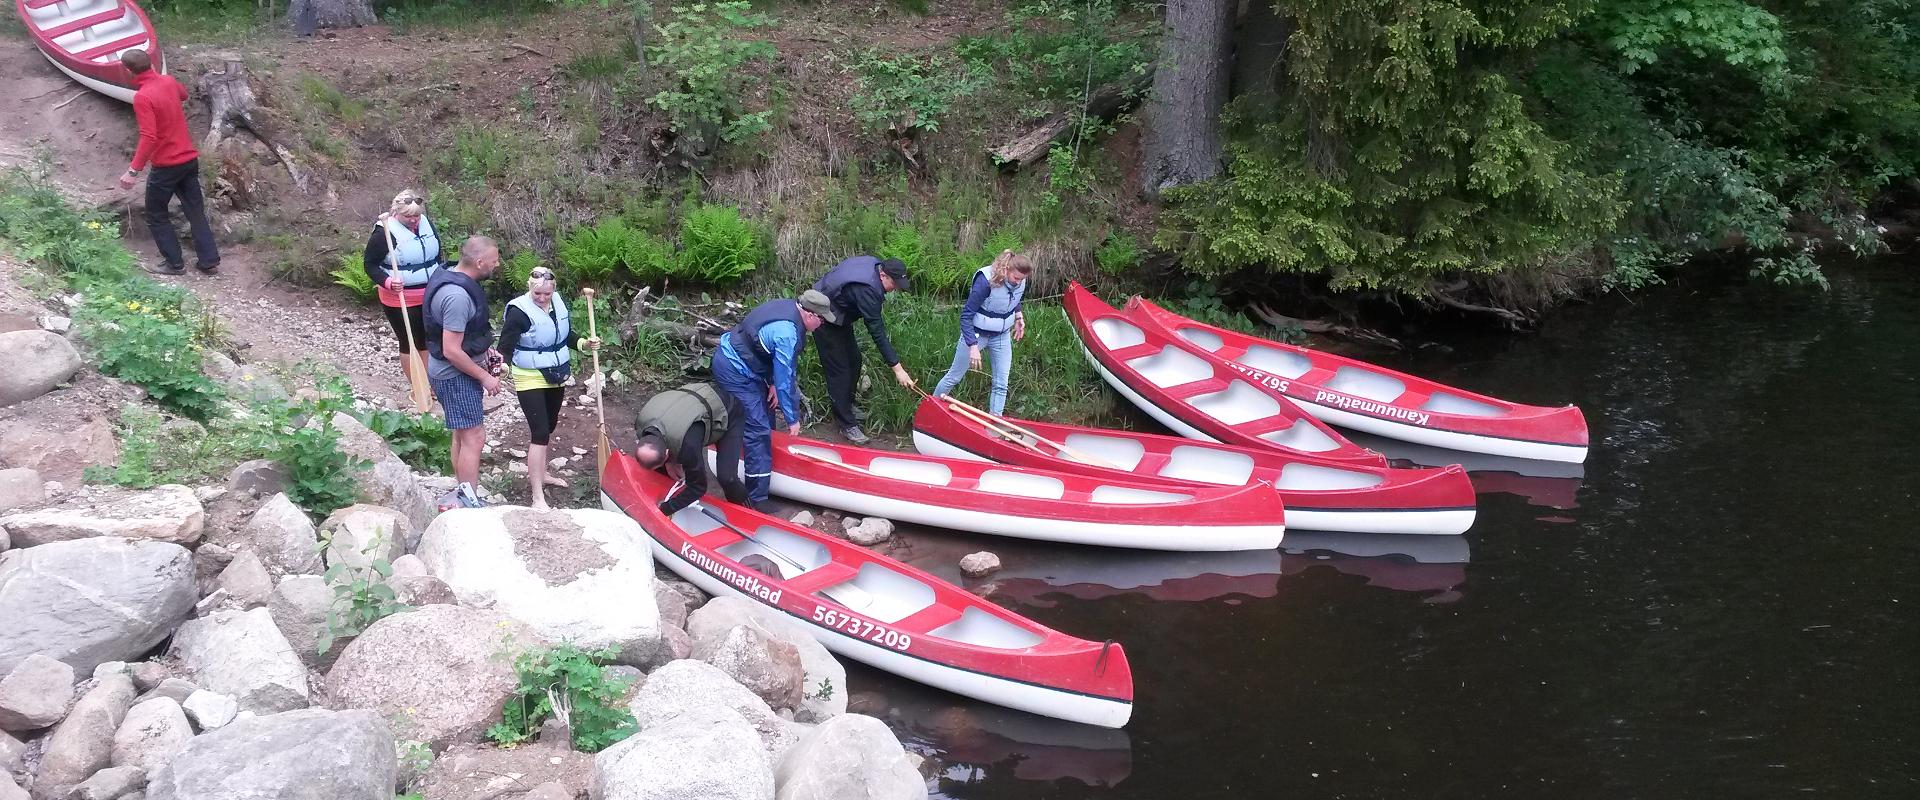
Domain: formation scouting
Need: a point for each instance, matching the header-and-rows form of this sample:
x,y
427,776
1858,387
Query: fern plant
x,y
592,253
351,275
717,245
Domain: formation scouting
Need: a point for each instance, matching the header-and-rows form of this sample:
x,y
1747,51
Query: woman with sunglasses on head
x,y
402,254
538,336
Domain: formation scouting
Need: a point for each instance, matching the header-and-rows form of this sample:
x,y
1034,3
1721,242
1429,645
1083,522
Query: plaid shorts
x,y
460,397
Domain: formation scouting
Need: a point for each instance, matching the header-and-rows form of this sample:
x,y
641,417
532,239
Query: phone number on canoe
x,y
861,628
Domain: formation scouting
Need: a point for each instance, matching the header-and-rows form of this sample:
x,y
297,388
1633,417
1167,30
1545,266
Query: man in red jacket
x,y
165,143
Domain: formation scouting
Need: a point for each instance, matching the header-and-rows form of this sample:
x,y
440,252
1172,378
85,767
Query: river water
x,y
1719,603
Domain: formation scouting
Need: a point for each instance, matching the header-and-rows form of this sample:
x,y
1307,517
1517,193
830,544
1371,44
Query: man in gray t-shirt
x,y
453,308
460,338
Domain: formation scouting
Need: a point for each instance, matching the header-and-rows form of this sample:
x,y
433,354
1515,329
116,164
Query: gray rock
x,y
164,513
242,654
871,531
209,710
410,566
54,323
91,600
422,590
105,668
548,791
684,686
209,560
702,753
299,608
672,605
176,689
437,667
112,783
824,688
219,599
35,694
387,482
21,487
803,518
12,791
151,734
59,455
83,742
311,754
979,565
6,540
283,537
468,771
263,477
148,674
13,753
37,361
360,534
246,580
765,665
849,757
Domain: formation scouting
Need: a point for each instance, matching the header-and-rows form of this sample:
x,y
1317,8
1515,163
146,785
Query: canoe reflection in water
x,y
1547,484
966,742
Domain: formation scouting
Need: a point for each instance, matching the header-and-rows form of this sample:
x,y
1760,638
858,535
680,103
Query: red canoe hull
x,y
85,38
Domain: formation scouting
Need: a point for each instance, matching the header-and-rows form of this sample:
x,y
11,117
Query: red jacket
x,y
164,140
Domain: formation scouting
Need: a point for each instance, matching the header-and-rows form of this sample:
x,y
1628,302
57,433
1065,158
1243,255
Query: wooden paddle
x,y
1006,430
419,389
844,594
600,388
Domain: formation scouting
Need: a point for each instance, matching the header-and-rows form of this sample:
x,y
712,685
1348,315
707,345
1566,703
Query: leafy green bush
x,y
572,683
717,245
709,69
361,595
1053,49
515,271
353,276
1119,253
421,440
141,335
592,253
648,258
38,225
152,453
302,437
911,92
317,91
479,153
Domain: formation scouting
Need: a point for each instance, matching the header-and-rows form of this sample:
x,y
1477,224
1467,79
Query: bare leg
x,y
537,474
466,454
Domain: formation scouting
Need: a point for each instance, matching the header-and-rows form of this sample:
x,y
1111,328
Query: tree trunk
x,y
642,23
1182,142
334,13
1032,146
1259,53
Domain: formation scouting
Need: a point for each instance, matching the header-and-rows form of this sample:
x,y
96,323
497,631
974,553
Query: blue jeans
x,y
755,425
996,348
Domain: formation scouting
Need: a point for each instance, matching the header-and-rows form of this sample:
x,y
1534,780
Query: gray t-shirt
x,y
454,308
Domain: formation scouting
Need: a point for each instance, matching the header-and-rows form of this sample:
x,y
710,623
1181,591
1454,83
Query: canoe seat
x,y
978,627
39,4
928,618
814,579
1318,376
109,48
89,21
717,538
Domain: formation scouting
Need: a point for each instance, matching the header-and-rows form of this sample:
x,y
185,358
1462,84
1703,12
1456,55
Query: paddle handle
x,y
1003,427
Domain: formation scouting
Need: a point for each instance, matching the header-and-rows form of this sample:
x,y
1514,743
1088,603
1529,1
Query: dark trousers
x,y
840,360
182,180
542,407
749,432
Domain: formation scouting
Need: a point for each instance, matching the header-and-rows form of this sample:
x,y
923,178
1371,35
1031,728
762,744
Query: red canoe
x,y
876,610
1355,394
1195,394
85,38
1025,502
1319,495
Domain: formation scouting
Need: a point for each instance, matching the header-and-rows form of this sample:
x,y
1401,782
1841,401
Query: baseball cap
x,y
816,301
896,270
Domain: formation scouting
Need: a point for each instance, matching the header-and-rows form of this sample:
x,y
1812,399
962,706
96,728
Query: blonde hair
x,y
1009,262
408,201
540,276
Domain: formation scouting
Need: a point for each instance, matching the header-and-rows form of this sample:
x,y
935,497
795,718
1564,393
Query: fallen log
x,y
1105,103
645,312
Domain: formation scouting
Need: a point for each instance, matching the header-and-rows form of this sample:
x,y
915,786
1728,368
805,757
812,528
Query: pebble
x,y
979,565
517,453
803,517
579,451
558,462
517,467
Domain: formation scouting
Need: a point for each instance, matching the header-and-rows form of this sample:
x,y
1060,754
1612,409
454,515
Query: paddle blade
x,y
605,449
418,388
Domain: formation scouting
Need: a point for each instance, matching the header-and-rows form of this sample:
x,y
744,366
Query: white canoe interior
x,y
1215,465
90,30
874,590
1007,482
1349,379
1240,404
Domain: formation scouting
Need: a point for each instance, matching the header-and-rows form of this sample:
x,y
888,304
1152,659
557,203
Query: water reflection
x,y
1548,484
968,743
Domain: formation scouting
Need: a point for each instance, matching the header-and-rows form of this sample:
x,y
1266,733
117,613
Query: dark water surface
x,y
1719,604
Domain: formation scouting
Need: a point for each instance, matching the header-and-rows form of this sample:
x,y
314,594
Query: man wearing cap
x,y
753,367
857,287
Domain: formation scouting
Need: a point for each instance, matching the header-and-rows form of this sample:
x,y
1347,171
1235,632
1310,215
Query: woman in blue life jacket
x,y
537,335
991,320
401,255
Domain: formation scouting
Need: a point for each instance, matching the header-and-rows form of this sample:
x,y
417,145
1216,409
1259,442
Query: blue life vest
x,y
746,335
544,344
479,331
858,269
417,254
1003,301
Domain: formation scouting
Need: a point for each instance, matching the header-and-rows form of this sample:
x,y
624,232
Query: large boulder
x,y
299,608
767,666
283,537
584,576
444,669
246,580
386,481
312,754
83,742
152,733
849,757
242,655
684,686
91,600
824,685
59,454
166,513
475,771
21,487
703,753
37,361
360,534
35,694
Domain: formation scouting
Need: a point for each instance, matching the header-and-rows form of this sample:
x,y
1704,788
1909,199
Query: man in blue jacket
x,y
857,287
